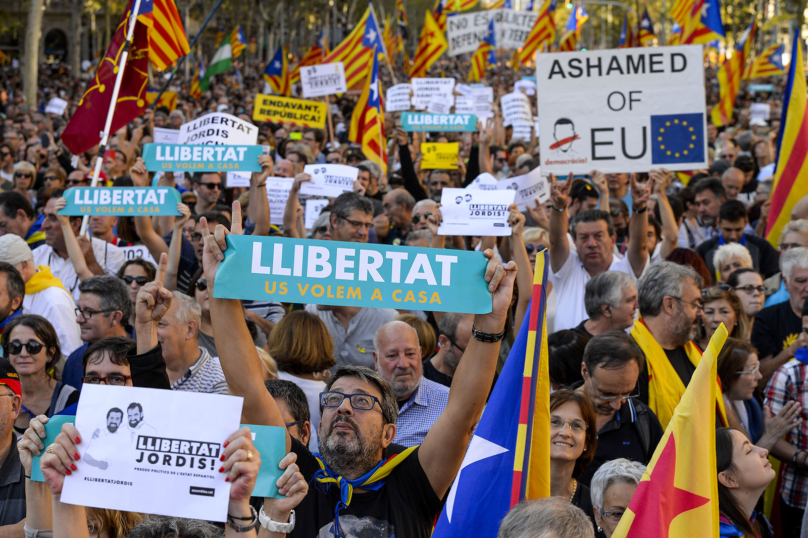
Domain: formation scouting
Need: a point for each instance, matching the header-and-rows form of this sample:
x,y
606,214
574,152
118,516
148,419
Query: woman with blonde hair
x,y
721,305
729,258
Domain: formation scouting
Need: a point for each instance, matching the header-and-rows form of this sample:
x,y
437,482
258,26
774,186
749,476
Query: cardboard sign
x,y
314,208
419,121
760,111
121,201
515,108
218,129
167,463
166,136
277,193
192,158
472,212
276,109
529,188
398,97
328,179
511,28
352,274
325,79
138,251
426,89
56,106
622,110
439,155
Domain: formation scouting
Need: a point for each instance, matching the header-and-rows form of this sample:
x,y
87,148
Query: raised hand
x,y
58,205
500,279
516,220
153,300
299,179
600,181
242,461
138,173
639,193
560,191
259,178
433,221
216,244
63,458
30,444
539,215
292,485
185,214
660,179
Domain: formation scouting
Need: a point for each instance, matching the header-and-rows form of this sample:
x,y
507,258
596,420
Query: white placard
x,y
426,89
56,106
622,110
465,31
314,206
536,125
528,87
516,107
166,136
238,179
483,101
522,129
168,464
528,188
277,193
512,27
325,79
328,179
470,212
398,97
218,128
464,90
138,251
484,182
464,105
441,105
760,111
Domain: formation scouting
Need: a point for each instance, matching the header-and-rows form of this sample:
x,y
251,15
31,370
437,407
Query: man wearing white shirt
x,y
102,258
594,241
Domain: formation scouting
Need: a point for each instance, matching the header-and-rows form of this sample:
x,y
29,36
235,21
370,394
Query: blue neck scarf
x,y
8,320
722,242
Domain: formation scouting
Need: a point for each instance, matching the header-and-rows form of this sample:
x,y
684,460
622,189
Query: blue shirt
x,y
419,413
74,371
780,296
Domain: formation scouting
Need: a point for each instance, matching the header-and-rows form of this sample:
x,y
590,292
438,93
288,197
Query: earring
x,y
600,529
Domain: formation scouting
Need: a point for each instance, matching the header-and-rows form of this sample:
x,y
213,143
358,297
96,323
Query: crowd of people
x,y
643,268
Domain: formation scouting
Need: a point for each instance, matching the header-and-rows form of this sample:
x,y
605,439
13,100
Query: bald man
x,y
733,181
397,358
284,168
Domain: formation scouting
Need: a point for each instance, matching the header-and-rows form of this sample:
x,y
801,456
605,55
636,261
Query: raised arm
x,y
259,203
670,230
292,206
602,184
524,277
559,223
143,225
433,223
151,304
638,227
408,174
443,449
484,156
72,244
175,248
164,223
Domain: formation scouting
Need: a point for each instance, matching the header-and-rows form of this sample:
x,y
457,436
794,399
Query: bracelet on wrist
x,y
276,526
488,338
794,457
556,209
231,522
643,209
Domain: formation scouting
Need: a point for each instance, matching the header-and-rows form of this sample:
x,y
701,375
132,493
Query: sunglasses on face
x,y
22,174
417,218
32,346
4,154
141,280
333,161
212,186
321,230
530,248
75,181
51,178
202,285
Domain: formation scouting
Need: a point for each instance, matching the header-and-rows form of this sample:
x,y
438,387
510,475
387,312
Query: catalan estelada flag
x,y
314,56
700,21
401,18
167,100
730,75
767,64
676,34
646,29
439,14
167,41
500,4
543,31
572,30
790,174
196,91
479,62
277,74
237,42
626,35
430,47
355,53
508,459
367,121
678,494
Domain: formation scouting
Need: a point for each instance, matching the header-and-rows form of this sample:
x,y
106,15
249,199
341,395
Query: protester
x,y
611,303
709,195
549,517
425,332
294,406
748,284
565,350
19,219
12,293
612,487
454,335
720,305
794,235
135,274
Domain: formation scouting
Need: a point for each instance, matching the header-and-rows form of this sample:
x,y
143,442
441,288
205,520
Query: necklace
x,y
574,487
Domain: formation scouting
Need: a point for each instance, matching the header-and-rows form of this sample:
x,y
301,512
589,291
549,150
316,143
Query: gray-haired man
x,y
611,303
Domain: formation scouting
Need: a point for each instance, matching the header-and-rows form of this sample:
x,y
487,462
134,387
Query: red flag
x,y
85,127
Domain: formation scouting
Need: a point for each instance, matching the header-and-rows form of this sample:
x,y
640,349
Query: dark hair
x,y
732,211
727,504
734,278
744,163
319,134
350,201
112,293
134,405
151,271
654,223
116,346
710,184
197,176
559,398
565,350
363,373
295,399
43,330
731,360
12,201
592,215
686,256
214,217
15,285
114,410
581,190
611,351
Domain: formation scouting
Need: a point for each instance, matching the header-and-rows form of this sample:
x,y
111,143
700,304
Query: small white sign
x,y
427,89
314,207
138,251
441,105
56,106
479,213
153,451
760,111
516,108
528,87
277,193
484,182
398,98
325,79
464,105
166,136
238,179
328,179
528,188
522,129
464,90
218,128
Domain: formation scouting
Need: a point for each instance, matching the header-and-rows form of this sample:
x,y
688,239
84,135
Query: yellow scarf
x,y
43,279
665,387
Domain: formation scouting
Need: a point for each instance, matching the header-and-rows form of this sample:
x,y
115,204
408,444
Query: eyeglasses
x,y
754,371
363,402
75,181
789,246
502,159
577,426
614,515
333,161
32,346
51,178
141,280
22,174
4,154
531,248
196,237
290,424
698,305
115,379
620,397
358,224
202,285
212,186
462,349
320,230
750,289
87,314
417,217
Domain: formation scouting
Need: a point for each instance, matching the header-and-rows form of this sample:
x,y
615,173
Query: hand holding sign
x,y
30,444
500,281
660,179
242,462
516,220
259,178
57,463
216,244
292,485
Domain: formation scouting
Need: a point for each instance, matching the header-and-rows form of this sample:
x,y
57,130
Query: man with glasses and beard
x,y
397,358
627,428
454,334
207,186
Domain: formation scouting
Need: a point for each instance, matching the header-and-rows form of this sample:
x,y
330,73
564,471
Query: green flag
x,y
221,62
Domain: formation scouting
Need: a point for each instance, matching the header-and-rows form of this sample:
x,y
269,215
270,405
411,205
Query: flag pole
x,y
113,101
384,46
182,59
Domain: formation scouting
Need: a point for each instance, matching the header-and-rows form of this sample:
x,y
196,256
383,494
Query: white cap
x,y
14,249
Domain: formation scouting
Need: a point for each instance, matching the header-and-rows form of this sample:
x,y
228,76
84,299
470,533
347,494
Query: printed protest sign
x,y
398,97
529,188
328,179
56,106
760,111
484,182
516,108
166,136
439,155
421,121
193,158
512,27
465,31
52,429
483,100
218,128
441,104
622,110
278,109
121,201
522,129
277,193
153,451
464,105
325,79
474,212
138,251
528,87
352,274
270,442
314,207
425,90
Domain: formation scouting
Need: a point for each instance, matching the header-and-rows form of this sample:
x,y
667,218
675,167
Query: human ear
x,y
388,434
727,480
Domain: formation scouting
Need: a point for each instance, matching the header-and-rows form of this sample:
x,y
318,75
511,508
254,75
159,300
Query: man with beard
x,y
360,483
136,424
397,358
669,296
454,333
627,428
99,456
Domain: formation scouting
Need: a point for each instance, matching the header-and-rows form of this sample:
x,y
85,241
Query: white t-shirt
x,y
569,286
312,389
108,256
56,306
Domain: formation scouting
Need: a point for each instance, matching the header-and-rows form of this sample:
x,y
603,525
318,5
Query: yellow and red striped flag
x,y
167,41
479,62
314,56
237,42
500,4
730,75
572,30
354,53
277,74
367,121
543,31
389,37
700,22
430,47
767,64
3,58
789,184
196,90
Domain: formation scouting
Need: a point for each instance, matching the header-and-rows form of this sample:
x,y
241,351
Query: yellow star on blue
x,y
677,138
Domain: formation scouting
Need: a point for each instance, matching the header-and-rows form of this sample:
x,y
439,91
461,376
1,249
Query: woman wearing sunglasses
x,y
31,345
135,274
24,176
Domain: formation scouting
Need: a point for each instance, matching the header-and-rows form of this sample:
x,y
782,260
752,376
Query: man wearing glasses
x,y
208,186
627,428
454,334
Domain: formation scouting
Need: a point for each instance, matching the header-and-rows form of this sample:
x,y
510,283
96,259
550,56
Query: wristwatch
x,y
275,526
243,528
487,338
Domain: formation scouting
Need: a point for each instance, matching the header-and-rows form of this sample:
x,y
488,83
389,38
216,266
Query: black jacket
x,y
765,258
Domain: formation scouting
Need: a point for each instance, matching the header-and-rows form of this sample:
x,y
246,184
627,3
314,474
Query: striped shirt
x,y
205,376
